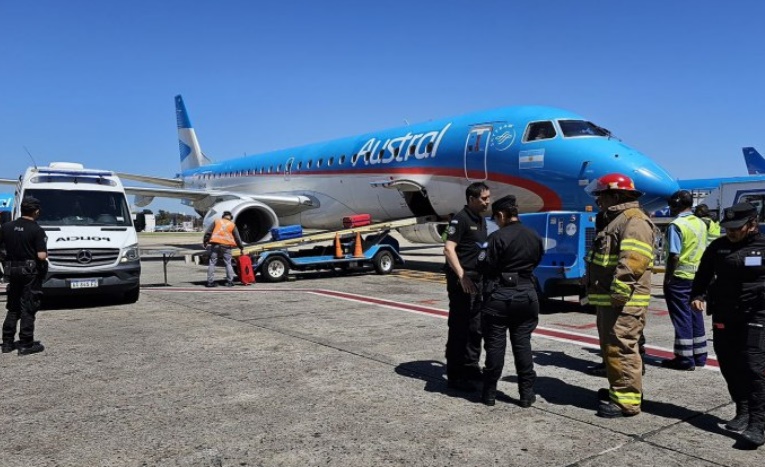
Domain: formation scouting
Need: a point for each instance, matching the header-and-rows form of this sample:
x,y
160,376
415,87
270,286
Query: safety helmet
x,y
612,182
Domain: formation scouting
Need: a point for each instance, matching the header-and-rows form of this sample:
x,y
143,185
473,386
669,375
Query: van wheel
x,y
383,262
131,296
275,269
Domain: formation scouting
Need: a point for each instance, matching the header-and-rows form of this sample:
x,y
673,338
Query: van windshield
x,y
82,207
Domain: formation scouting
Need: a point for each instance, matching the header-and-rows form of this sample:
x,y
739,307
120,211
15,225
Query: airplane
x,y
755,163
544,156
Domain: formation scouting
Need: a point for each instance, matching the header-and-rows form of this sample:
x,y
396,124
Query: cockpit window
x,y
576,128
540,130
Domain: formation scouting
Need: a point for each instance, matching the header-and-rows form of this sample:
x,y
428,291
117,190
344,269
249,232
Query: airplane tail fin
x,y
755,163
191,154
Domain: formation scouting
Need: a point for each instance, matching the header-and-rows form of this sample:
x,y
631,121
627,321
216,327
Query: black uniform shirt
x,y
732,276
513,248
23,239
468,231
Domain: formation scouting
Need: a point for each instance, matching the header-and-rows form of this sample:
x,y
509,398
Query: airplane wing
x,y
281,204
9,181
171,182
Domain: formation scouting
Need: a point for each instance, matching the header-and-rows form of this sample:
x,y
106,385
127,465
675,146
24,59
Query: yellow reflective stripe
x,y
636,300
625,398
637,246
599,299
639,300
620,288
605,260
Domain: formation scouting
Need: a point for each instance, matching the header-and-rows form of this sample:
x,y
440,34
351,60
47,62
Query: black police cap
x,y
30,204
504,202
737,215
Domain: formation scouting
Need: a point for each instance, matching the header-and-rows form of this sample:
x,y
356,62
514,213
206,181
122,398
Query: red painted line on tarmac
x,y
555,334
577,326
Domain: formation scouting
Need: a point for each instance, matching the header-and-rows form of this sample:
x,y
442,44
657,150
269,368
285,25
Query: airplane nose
x,y
657,186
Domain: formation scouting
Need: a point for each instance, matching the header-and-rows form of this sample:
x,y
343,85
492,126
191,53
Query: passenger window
x,y
342,160
429,147
540,130
300,165
308,164
318,163
411,149
395,152
354,158
330,161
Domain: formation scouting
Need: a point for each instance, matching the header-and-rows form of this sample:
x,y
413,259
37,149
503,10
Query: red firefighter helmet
x,y
612,182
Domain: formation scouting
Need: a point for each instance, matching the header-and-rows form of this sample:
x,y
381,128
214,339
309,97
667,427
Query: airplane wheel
x,y
383,262
275,269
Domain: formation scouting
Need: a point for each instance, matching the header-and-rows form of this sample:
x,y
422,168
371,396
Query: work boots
x,y
755,433
741,420
489,394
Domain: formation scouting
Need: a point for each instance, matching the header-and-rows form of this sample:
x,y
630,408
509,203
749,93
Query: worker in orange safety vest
x,y
219,239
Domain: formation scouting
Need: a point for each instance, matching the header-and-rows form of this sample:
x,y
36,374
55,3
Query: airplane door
x,y
288,168
476,148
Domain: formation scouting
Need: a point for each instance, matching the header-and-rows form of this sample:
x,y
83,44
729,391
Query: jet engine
x,y
253,219
428,232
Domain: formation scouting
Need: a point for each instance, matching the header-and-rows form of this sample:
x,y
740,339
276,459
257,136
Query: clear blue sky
x,y
93,81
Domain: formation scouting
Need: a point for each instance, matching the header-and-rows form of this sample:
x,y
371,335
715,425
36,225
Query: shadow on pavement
x,y
433,373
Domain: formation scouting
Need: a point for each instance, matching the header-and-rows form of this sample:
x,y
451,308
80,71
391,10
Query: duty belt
x,y
24,263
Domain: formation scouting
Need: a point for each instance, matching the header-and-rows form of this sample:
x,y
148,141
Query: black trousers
x,y
463,345
740,349
24,295
520,317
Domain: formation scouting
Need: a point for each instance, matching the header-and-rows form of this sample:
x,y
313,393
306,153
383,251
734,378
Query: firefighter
x,y
686,242
220,237
618,284
730,284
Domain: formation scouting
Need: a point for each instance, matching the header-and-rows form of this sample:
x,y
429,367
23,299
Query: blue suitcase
x,y
286,232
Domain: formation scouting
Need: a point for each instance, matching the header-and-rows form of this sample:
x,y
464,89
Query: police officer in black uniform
x,y
510,300
26,264
465,242
730,281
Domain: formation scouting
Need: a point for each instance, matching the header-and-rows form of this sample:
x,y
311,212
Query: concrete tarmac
x,y
339,370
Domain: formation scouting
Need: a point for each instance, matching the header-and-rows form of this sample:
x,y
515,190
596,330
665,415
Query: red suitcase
x,y
246,274
359,220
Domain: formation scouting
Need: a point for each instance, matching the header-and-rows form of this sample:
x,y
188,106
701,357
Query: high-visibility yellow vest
x,y
223,233
713,229
694,236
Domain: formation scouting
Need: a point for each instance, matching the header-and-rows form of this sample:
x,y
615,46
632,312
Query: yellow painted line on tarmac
x,y
424,276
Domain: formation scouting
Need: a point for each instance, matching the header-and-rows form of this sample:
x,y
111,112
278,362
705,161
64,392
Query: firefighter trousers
x,y
619,329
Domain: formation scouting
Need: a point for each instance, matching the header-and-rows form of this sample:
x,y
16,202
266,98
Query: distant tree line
x,y
174,218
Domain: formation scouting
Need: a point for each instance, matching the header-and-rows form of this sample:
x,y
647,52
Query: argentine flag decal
x,y
531,159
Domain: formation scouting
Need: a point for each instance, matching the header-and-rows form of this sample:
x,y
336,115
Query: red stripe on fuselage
x,y
550,199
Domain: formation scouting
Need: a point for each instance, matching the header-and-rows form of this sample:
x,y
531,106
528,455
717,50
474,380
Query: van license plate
x,y
83,284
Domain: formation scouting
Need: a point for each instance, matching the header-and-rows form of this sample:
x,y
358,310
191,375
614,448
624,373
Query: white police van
x,y
92,243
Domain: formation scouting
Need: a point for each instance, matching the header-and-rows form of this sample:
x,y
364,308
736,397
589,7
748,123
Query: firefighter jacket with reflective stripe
x,y
223,233
620,262
693,234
